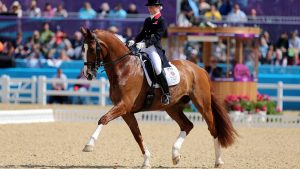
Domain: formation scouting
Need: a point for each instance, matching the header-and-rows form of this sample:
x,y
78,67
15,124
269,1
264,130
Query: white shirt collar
x,y
152,16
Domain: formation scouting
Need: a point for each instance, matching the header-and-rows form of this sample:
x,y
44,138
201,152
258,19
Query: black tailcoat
x,y
152,32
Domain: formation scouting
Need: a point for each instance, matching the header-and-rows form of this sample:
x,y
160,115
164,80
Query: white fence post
x,y
5,89
42,90
102,88
33,89
280,95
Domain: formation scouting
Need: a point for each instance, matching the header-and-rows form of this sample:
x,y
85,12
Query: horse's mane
x,y
111,35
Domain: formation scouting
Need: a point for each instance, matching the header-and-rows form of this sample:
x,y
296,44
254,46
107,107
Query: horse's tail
x,y
225,132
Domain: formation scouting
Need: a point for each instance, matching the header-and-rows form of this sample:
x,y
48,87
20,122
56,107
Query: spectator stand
x,y
225,85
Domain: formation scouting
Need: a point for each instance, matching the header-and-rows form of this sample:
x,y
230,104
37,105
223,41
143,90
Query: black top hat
x,y
153,3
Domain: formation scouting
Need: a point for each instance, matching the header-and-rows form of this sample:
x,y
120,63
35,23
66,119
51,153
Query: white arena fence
x,y
24,90
49,115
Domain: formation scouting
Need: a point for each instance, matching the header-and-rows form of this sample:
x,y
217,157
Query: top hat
x,y
154,3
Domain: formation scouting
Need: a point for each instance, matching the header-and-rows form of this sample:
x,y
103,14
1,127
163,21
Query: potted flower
x,y
265,106
234,107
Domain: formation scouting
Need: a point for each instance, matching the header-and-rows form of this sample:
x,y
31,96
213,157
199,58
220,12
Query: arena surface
x,y
59,145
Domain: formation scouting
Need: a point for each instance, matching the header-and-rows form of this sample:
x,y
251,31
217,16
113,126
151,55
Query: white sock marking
x,y
178,144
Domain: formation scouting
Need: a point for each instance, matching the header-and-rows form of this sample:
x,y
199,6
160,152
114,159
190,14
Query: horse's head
x,y
92,53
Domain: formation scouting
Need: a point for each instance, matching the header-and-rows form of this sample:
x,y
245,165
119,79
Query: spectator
x,y
279,59
253,15
83,88
61,86
241,73
114,30
19,44
77,44
193,57
213,14
104,10
60,43
237,15
33,10
186,16
270,56
128,34
224,7
33,60
8,49
87,12
48,12
118,12
264,45
16,8
7,59
34,42
294,48
283,43
183,19
203,7
194,7
61,11
3,7
213,70
46,34
220,51
179,54
132,9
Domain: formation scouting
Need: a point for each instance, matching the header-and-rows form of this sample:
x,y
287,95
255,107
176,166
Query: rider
x,y
148,40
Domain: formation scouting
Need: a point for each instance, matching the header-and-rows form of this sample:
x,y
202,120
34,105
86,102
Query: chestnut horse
x,y
128,88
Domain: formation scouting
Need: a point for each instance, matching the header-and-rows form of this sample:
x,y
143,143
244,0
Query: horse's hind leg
x,y
135,130
176,113
202,101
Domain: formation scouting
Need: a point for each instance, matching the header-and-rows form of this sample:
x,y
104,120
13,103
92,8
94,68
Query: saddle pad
x,y
172,74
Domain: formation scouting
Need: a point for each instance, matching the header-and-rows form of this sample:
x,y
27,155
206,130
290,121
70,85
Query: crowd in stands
x,y
85,12
47,47
284,51
52,46
195,12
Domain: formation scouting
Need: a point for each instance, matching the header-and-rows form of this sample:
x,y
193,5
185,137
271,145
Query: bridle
x,y
99,60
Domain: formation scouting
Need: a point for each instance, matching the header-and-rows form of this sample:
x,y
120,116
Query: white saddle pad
x,y
172,75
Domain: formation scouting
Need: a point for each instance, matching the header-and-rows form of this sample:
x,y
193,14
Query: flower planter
x,y
262,115
236,115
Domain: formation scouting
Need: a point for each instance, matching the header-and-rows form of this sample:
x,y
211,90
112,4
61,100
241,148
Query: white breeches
x,y
154,57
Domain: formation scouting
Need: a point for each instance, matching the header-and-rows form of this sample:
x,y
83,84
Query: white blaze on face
x,y
84,53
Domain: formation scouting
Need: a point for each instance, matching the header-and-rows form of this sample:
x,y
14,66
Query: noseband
x,y
99,61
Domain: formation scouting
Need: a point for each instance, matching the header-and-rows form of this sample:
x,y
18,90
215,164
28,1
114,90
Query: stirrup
x,y
165,99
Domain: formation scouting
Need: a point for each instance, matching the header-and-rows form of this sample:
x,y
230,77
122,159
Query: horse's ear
x,y
89,34
83,31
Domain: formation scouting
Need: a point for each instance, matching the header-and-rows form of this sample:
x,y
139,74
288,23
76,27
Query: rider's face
x,y
153,9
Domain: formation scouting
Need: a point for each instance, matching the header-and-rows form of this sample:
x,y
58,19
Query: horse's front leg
x,y
113,113
131,121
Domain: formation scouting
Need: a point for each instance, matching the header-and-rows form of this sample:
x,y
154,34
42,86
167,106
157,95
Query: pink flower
x,y
278,109
264,108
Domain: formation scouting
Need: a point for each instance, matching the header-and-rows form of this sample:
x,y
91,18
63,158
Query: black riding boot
x,y
161,79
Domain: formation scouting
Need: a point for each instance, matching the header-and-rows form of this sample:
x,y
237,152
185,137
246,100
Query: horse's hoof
x,y
88,148
146,167
219,164
176,159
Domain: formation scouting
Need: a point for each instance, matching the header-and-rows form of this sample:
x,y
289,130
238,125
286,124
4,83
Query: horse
x,y
128,88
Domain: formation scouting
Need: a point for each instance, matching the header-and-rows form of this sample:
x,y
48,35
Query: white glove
x,y
141,45
130,43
